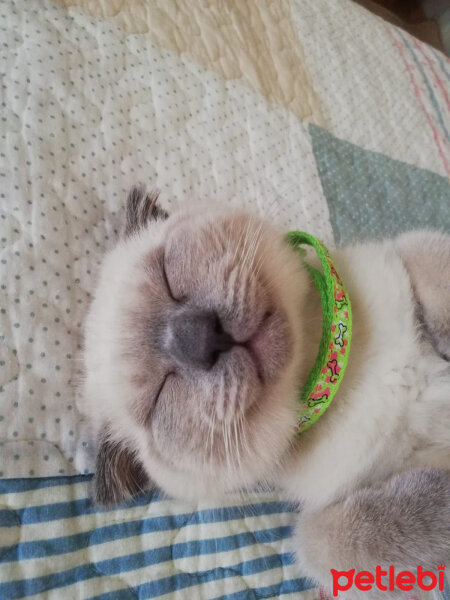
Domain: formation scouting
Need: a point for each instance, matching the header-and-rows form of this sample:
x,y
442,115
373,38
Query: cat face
x,y
192,354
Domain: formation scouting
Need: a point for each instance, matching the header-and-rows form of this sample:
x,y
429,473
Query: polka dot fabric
x,y
87,111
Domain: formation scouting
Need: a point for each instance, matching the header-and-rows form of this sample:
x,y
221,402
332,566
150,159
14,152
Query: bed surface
x,y
314,113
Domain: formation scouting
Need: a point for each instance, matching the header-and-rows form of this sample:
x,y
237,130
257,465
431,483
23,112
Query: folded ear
x,y
142,207
119,474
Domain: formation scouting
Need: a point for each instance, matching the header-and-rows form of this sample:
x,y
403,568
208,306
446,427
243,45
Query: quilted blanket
x,y
314,113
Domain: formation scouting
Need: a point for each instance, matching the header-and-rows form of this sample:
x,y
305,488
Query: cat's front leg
x,y
403,522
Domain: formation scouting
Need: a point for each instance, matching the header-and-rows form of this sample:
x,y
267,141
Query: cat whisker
x,y
249,250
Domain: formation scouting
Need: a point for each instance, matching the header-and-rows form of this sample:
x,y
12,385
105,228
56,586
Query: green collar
x,y
331,362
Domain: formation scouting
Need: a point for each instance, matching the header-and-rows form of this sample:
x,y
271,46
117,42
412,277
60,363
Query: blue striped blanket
x,y
52,537
55,544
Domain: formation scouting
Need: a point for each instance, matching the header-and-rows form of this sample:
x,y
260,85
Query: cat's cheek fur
x,y
269,436
106,374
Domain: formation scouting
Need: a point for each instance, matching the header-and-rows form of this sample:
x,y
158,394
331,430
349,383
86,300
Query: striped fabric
x,y
55,544
429,76
52,537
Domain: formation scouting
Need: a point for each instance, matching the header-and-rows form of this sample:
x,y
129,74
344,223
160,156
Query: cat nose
x,y
197,338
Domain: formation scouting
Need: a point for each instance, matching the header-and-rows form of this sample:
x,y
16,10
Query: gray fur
x,y
404,521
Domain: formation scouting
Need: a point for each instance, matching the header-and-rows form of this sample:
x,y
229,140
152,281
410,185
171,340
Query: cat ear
x,y
119,474
141,207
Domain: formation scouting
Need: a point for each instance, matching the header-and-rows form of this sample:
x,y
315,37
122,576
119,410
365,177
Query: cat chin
x,y
270,440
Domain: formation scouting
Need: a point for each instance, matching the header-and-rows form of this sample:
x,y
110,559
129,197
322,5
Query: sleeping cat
x,y
203,329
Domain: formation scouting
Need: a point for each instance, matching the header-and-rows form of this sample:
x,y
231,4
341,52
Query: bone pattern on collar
x,y
329,368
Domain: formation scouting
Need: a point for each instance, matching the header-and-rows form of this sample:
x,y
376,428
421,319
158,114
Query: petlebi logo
x,y
388,580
